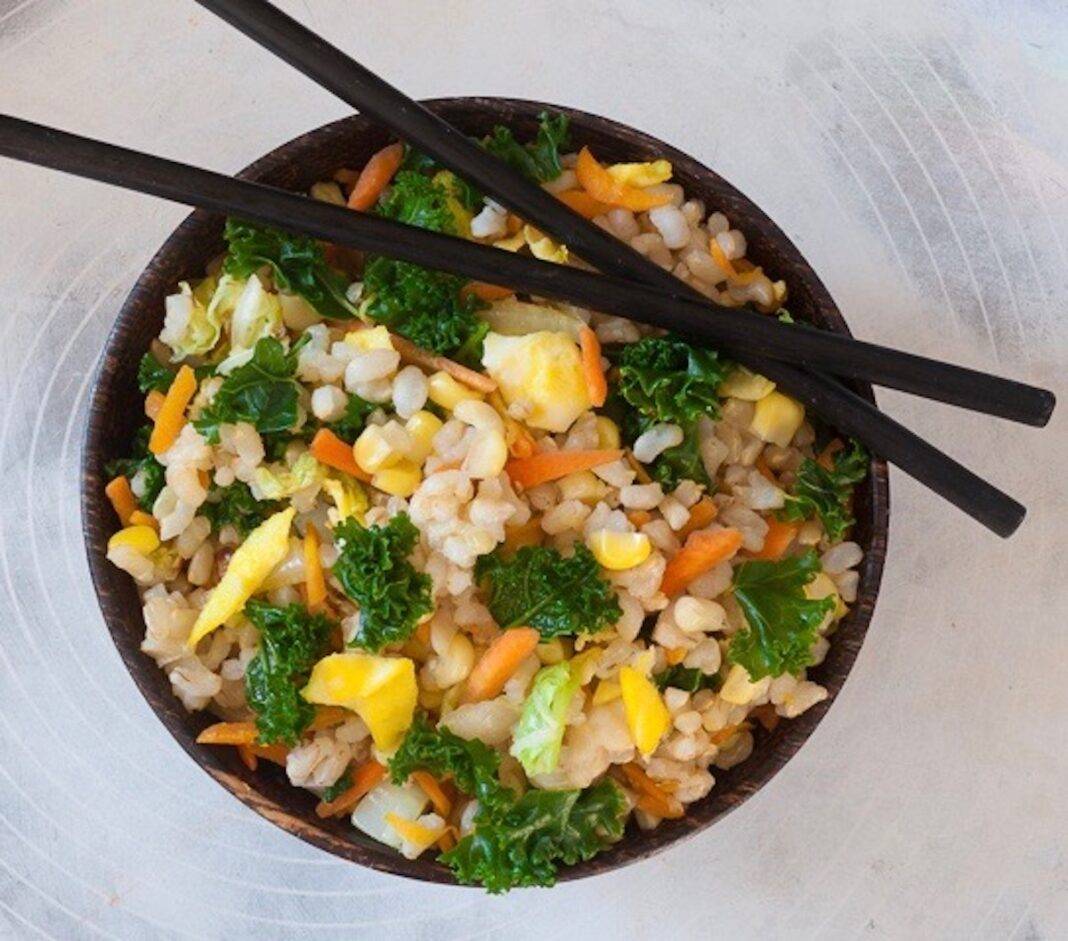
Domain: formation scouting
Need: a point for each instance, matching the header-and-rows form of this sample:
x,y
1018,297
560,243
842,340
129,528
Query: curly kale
x,y
236,506
291,641
540,588
349,425
538,160
374,571
690,679
818,491
668,380
143,462
416,199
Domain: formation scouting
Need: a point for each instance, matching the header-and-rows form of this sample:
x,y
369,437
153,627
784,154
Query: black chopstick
x,y
417,125
34,143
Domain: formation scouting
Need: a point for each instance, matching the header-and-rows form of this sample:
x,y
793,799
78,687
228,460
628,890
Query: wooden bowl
x,y
116,411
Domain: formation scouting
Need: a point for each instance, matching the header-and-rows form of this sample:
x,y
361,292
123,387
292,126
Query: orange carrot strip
x,y
552,465
826,457
447,840
375,176
431,362
675,655
153,403
429,786
652,798
701,514
638,468
583,203
720,258
171,416
273,753
141,518
603,187
639,517
524,534
326,717
313,569
229,733
592,371
703,551
485,292
725,734
518,437
122,499
777,541
248,757
327,448
365,778
500,661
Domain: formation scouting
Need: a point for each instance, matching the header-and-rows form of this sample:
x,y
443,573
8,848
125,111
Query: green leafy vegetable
x,y
349,425
415,199
422,305
262,392
339,787
782,622
141,464
296,261
539,733
152,375
291,641
235,506
469,197
668,380
673,465
540,159
827,493
542,830
543,589
690,679
374,571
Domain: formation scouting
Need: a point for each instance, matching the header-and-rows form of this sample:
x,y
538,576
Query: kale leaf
x,y
416,199
668,380
152,375
297,262
374,571
236,506
262,392
541,588
339,787
540,159
422,305
143,462
827,493
349,425
690,679
673,465
291,641
524,845
782,622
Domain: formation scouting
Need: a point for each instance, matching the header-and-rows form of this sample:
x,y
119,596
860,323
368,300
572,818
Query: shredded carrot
x,y
485,292
725,734
592,371
518,437
639,469
229,733
273,753
583,203
141,518
313,569
431,362
501,659
602,186
447,840
720,258
652,798
429,786
365,778
375,176
761,465
326,717
153,403
701,514
171,416
525,534
777,540
552,465
327,448
702,551
422,633
248,757
639,517
675,655
826,457
122,499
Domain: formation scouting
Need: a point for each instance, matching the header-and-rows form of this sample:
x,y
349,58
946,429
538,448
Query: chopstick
x,y
34,143
353,83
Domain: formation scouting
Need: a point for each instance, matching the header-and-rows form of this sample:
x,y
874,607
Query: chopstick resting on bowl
x,y
130,169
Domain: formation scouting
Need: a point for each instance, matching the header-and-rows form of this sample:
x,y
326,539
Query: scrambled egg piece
x,y
539,376
641,174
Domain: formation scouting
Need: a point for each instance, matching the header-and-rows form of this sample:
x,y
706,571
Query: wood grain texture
x,y
116,411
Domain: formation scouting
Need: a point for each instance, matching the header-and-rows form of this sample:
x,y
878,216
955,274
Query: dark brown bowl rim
x,y
270,794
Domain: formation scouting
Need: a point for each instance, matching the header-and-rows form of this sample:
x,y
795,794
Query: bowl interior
x,y
116,412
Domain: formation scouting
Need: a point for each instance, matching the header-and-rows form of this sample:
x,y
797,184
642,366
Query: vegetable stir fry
x,y
493,577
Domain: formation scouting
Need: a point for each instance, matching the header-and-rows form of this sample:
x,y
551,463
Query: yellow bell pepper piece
x,y
641,174
607,691
380,690
140,538
647,716
249,567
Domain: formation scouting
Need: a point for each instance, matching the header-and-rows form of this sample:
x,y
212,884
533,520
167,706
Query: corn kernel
x,y
375,338
142,539
607,433
421,428
582,485
618,551
607,691
447,392
399,480
745,385
776,419
373,451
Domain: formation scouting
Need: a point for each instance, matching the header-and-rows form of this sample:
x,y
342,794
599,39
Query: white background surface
x,y
917,157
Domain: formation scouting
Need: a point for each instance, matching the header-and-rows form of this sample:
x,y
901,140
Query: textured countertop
x,y
916,155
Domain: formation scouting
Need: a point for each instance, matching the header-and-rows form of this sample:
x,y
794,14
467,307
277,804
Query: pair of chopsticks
x,y
629,285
